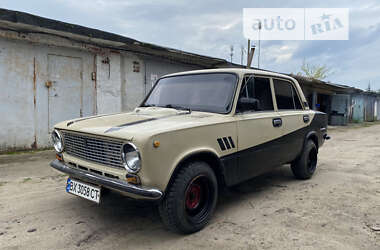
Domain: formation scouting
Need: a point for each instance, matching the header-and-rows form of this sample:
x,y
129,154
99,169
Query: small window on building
x,y
286,95
257,88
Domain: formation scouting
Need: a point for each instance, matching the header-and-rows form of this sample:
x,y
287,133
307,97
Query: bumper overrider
x,y
123,186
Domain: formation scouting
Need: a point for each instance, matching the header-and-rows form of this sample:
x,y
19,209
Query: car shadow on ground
x,y
138,215
253,188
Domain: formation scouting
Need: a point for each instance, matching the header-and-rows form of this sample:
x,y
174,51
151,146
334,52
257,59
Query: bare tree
x,y
319,72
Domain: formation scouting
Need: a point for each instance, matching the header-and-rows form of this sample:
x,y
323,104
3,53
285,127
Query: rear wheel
x,y
191,199
304,167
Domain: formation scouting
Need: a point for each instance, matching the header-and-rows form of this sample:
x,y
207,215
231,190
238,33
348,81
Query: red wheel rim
x,y
199,198
193,196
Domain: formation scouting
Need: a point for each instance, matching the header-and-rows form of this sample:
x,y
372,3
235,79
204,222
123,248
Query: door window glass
x,y
256,89
286,95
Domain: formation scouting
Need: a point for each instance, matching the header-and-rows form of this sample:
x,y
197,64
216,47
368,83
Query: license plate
x,y
83,190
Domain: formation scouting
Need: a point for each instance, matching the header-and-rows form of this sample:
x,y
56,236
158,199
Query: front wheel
x,y
191,199
304,167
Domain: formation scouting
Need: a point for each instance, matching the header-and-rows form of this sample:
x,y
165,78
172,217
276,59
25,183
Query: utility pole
x,y
242,54
369,86
232,52
248,51
258,60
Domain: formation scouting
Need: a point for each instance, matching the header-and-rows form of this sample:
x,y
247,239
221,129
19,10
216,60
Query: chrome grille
x,y
104,151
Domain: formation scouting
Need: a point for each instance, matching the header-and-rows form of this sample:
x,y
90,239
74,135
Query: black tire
x,y
304,167
191,199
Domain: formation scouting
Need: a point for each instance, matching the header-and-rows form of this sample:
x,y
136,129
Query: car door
x,y
259,130
294,119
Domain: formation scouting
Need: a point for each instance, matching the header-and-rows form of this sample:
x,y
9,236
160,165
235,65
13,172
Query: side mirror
x,y
246,104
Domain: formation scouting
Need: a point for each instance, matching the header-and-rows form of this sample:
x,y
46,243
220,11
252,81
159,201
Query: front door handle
x,y
277,122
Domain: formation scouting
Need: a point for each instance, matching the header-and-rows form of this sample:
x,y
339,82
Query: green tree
x,y
318,72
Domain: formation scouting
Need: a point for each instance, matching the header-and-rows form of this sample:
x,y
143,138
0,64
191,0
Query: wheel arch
x,y
207,156
312,135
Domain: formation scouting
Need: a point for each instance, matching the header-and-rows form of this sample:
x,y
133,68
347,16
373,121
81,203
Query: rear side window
x,y
286,95
258,88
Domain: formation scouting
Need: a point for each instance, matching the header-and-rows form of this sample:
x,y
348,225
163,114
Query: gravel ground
x,y
339,208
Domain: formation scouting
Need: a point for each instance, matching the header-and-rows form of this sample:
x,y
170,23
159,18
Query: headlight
x,y
57,141
131,158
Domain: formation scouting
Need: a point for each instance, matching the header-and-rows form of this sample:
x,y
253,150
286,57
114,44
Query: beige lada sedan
x,y
194,133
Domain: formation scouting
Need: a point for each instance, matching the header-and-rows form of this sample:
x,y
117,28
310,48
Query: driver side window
x,y
255,95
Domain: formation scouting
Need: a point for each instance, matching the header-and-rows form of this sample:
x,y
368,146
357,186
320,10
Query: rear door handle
x,y
277,122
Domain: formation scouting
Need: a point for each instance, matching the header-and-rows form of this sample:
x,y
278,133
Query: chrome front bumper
x,y
123,186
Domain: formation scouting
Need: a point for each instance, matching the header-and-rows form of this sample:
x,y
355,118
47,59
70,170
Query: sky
x,y
211,27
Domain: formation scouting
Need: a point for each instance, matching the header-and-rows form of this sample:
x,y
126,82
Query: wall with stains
x,y
17,125
132,70
108,83
24,97
42,84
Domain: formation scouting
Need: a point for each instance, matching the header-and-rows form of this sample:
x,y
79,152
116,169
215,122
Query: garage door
x,y
65,88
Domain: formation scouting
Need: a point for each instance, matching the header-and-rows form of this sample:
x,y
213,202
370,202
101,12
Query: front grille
x,y
104,151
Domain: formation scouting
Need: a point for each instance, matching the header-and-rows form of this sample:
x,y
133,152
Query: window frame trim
x,y
272,92
296,90
232,102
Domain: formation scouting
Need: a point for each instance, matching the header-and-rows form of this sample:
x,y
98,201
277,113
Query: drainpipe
x,y
314,101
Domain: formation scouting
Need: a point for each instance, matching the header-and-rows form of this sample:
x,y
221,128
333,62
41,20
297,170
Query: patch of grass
x,y
58,176
26,179
356,125
2,183
366,124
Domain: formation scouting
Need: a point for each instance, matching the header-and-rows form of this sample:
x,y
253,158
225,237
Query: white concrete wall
x,y
108,83
24,96
17,123
132,82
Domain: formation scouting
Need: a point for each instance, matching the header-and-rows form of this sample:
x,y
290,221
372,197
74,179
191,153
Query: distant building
x,y
342,103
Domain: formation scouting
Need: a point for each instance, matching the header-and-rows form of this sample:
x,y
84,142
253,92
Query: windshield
x,y
211,92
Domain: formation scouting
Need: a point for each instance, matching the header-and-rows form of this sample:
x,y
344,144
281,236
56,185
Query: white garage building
x,y
52,71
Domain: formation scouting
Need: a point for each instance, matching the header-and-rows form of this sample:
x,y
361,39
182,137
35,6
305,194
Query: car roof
x,y
239,71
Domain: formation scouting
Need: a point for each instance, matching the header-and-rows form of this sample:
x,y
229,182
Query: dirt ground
x,y
339,208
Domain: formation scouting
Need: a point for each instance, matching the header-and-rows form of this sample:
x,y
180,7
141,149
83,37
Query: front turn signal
x,y
133,179
156,144
59,157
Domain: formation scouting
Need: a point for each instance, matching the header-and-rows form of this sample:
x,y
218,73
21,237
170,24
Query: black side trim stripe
x,y
226,143
231,142
221,144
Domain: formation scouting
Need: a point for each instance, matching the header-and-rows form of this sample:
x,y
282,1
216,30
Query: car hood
x,y
142,121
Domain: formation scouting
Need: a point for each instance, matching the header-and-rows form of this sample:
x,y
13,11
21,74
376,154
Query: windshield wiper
x,y
149,105
178,107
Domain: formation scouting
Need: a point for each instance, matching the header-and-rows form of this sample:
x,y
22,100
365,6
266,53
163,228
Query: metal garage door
x,y
64,88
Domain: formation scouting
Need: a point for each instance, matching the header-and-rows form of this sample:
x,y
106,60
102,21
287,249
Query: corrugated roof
x,y
325,85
